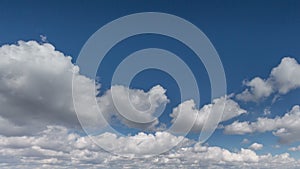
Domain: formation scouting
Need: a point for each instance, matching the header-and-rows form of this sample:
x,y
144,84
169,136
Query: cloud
x,y
287,128
282,79
259,89
139,145
58,147
36,89
294,148
245,141
286,76
187,112
256,146
267,111
136,108
39,126
43,38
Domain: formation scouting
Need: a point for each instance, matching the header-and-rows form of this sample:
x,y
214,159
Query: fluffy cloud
x,y
259,89
295,148
133,107
256,146
36,89
38,123
287,128
57,147
139,145
283,78
286,76
187,113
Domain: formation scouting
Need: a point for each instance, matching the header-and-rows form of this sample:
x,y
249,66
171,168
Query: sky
x,y
54,115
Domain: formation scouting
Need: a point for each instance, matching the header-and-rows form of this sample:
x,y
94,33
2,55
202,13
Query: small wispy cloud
x,y
43,38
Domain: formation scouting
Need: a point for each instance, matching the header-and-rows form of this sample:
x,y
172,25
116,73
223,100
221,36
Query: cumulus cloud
x,y
139,145
256,146
258,89
135,108
286,76
187,113
57,147
38,123
282,79
36,89
287,128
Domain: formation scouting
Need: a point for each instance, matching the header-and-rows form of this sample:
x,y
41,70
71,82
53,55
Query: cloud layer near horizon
x,y
56,147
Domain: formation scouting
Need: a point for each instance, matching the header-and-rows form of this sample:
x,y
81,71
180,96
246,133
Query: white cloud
x,y
256,146
283,78
220,154
37,120
276,146
245,141
57,147
139,108
139,145
187,112
267,111
286,76
287,128
36,89
295,148
238,128
43,38
259,88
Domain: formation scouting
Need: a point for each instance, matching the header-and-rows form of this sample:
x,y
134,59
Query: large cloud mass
x,y
39,127
56,147
36,89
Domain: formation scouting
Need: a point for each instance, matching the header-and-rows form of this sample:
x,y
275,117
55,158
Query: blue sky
x,y
251,38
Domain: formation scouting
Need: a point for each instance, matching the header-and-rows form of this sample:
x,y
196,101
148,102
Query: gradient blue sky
x,y
251,38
